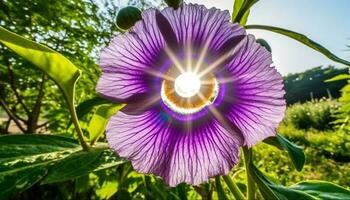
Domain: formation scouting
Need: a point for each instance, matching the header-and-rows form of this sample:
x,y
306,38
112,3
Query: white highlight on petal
x,y
187,84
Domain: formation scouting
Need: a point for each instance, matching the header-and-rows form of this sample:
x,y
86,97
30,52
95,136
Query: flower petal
x,y
155,144
197,25
126,61
258,105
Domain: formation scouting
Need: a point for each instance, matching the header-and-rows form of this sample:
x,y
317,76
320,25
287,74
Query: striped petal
x,y
155,145
257,105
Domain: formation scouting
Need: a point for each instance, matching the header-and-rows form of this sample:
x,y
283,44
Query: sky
x,y
324,21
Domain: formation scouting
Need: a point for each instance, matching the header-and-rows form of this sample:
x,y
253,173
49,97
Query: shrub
x,y
317,115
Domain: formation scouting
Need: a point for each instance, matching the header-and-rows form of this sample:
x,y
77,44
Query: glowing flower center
x,y
187,93
187,84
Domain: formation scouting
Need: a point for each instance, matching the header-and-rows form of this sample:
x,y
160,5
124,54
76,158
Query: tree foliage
x,y
311,84
76,29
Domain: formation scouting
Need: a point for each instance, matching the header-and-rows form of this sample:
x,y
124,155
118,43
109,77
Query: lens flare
x,y
187,84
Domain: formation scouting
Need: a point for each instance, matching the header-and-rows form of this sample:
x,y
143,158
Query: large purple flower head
x,y
197,87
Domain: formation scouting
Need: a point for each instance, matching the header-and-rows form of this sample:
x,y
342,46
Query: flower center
x,y
187,84
188,93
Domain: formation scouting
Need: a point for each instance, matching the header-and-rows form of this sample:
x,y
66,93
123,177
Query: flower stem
x,y
233,188
204,191
250,182
220,191
75,120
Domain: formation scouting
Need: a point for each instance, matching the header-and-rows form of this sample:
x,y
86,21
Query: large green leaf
x,y
271,191
323,190
241,10
19,146
18,181
81,163
295,152
99,120
304,190
303,39
24,159
59,68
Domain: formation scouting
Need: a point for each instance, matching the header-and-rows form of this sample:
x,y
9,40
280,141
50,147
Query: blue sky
x,y
325,21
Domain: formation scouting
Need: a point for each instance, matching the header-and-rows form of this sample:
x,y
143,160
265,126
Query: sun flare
x,y
187,84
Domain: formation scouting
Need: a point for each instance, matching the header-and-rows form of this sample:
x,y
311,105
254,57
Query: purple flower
x,y
197,88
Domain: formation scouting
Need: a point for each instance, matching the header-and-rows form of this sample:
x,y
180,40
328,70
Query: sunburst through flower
x,y
197,88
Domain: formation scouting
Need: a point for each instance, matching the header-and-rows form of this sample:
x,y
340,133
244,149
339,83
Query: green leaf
x,y
86,106
271,191
295,152
181,190
127,17
19,181
303,39
18,146
237,5
24,159
339,77
59,68
323,190
100,119
81,163
241,10
304,190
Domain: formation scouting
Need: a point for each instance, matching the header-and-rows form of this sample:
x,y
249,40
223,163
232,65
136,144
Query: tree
x,y
308,85
75,28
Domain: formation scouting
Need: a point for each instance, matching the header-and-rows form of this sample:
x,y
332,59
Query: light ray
x,y
218,115
223,121
160,75
174,59
153,100
218,62
188,50
226,80
203,54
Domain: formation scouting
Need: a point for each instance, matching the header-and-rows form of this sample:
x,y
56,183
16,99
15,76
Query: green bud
x,y
263,43
173,3
127,17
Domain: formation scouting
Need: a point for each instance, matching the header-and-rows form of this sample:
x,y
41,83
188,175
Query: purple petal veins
x,y
191,147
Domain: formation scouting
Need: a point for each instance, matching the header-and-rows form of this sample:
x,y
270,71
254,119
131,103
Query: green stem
x,y
78,128
204,190
220,191
250,182
233,188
